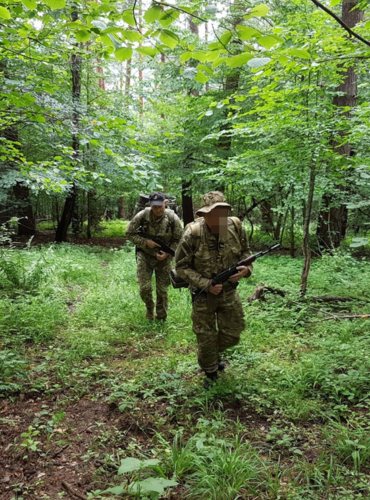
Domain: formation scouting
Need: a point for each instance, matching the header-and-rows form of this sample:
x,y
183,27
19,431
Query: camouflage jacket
x,y
200,254
168,228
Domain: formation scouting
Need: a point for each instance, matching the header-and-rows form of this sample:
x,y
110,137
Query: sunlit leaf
x,y
238,60
260,10
30,4
201,77
123,53
131,35
128,17
169,38
246,32
4,13
302,53
153,14
82,36
225,37
107,41
148,51
268,41
168,17
55,4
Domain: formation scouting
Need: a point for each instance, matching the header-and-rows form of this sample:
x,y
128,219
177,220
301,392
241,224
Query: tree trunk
x,y
187,202
24,210
128,77
306,232
333,216
21,192
122,209
70,202
267,225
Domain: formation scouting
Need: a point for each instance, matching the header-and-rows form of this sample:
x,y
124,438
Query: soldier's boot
x,y
149,313
221,364
210,379
161,308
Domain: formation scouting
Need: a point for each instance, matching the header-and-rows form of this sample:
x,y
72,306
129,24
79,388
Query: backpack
x,y
197,230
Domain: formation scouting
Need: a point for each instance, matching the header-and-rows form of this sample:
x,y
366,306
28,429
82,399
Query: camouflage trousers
x,y
218,321
146,266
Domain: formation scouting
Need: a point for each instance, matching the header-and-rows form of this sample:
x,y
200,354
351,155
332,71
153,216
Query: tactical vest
x,y
169,214
211,256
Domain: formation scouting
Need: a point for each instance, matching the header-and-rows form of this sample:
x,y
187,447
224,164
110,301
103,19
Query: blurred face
x,y
158,210
216,220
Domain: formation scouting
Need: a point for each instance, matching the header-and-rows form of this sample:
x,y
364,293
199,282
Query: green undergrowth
x,y
286,420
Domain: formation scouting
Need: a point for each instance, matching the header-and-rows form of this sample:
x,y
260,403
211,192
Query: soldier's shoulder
x,y
194,229
235,221
171,214
139,215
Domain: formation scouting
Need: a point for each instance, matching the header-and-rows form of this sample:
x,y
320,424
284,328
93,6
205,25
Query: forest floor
x,y
95,398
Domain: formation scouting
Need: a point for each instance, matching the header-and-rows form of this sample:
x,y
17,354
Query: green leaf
x,y
268,41
30,4
107,41
82,36
246,32
153,14
128,17
123,53
225,37
168,17
4,13
148,51
201,77
131,35
257,62
185,56
359,242
169,38
260,10
302,53
153,485
115,490
238,60
129,464
55,4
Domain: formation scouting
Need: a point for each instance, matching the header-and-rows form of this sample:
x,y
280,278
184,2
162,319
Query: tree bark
x,y
306,232
187,202
70,202
333,216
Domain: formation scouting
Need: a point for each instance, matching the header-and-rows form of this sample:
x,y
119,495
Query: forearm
x,y
192,277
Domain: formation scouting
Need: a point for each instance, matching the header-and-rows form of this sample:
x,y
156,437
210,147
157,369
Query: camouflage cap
x,y
212,200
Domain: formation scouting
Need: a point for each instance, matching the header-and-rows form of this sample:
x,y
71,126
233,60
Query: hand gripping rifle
x,y
162,246
227,273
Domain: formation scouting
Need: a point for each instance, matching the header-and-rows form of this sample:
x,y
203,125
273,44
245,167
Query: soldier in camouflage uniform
x,y
210,245
161,222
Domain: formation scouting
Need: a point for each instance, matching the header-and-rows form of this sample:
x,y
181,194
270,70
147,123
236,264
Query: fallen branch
x,y
337,317
58,452
261,290
71,492
333,298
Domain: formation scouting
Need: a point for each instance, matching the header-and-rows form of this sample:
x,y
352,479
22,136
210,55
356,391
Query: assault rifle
x,y
223,275
161,245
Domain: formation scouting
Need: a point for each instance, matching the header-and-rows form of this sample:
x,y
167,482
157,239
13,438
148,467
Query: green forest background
x,y
103,101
